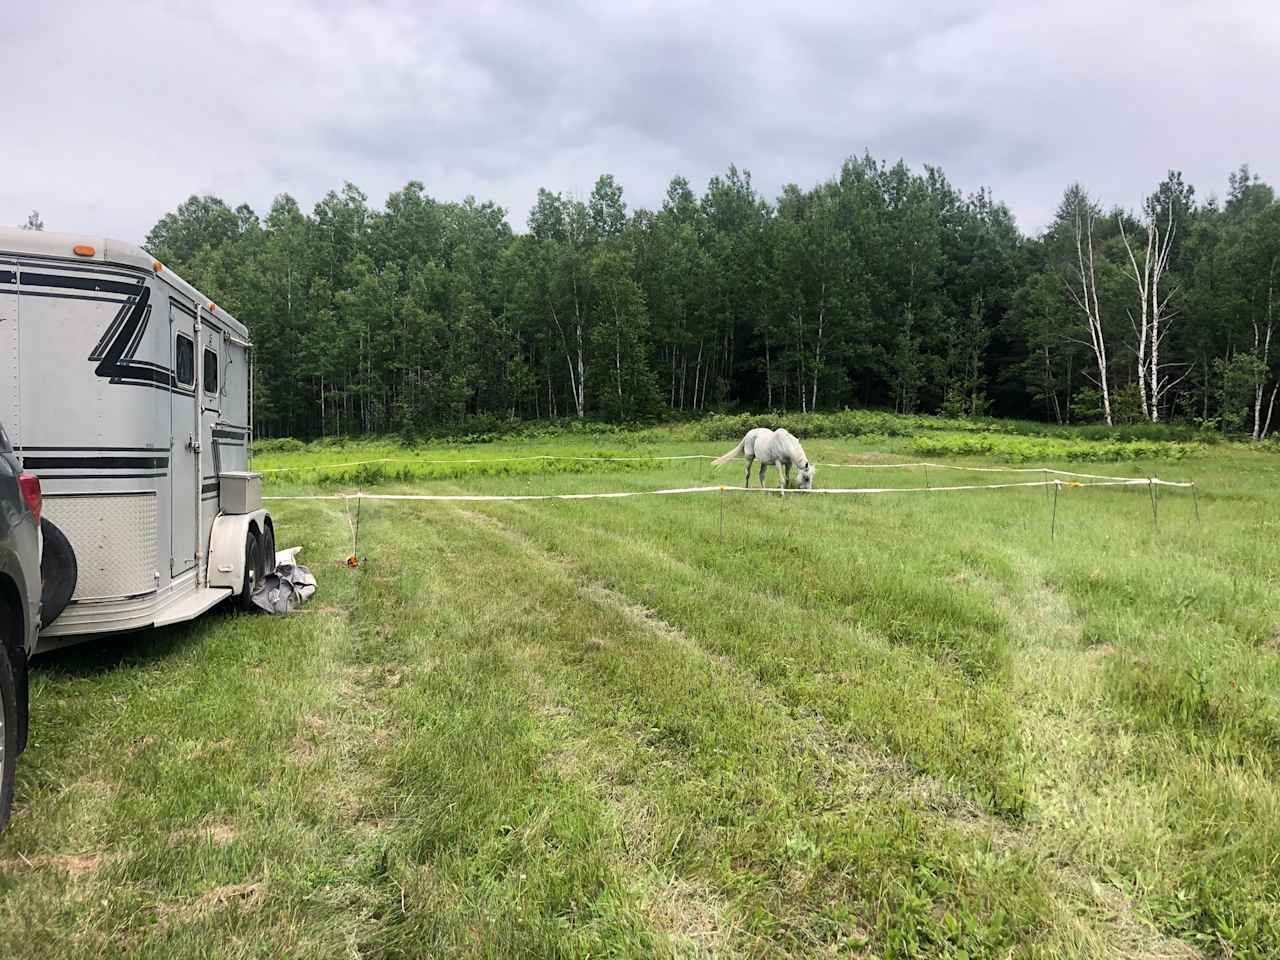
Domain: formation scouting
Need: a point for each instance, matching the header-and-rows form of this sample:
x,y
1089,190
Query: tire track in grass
x,y
1123,804
935,718
856,781
476,847
1093,916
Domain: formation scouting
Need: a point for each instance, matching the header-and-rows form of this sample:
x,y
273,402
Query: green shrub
x,y
278,445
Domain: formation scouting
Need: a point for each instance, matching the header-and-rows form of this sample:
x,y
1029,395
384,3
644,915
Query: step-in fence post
x,y
1053,517
722,513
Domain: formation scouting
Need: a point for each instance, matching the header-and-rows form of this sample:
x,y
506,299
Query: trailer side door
x,y
184,434
212,372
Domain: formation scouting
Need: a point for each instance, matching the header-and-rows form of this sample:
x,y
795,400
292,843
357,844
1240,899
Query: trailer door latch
x,y
192,443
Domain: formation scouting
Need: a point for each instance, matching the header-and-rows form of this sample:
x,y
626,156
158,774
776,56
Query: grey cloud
x,y
118,112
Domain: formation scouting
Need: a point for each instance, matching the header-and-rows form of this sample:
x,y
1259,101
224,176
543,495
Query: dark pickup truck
x,y
20,586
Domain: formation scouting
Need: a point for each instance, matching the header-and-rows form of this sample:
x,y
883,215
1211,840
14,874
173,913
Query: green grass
x,y
897,726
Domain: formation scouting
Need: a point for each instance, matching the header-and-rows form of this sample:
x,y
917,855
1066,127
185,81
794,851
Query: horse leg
x,y
750,460
763,467
782,481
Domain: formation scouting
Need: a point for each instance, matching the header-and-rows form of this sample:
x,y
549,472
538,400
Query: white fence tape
x,y
956,466
677,491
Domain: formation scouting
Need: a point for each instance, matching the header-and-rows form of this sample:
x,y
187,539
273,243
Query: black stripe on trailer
x,y
93,284
210,487
48,261
89,463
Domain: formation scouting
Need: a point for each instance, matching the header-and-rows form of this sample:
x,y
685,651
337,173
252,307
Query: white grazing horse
x,y
777,447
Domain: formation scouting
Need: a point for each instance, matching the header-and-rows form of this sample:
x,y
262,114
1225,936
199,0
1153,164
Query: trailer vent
x,y
114,539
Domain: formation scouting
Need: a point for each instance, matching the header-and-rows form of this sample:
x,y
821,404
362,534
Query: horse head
x,y
805,476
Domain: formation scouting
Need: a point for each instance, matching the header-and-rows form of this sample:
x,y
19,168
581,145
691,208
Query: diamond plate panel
x,y
114,537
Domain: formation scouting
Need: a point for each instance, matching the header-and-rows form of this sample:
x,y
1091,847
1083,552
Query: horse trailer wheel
x,y
268,550
252,570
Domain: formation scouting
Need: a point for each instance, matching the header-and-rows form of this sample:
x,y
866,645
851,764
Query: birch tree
x,y
1151,324
1082,285
1264,317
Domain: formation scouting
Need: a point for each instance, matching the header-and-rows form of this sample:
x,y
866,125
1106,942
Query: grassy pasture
x,y
891,726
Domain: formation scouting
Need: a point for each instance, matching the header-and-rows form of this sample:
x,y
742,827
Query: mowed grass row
x,y
909,725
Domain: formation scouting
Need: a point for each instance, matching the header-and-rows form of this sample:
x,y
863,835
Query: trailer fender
x,y
226,546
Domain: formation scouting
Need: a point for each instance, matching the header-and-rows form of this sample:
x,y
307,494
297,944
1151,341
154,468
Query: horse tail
x,y
731,455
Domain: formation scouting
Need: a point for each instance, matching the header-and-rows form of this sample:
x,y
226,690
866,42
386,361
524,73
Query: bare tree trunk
x,y
580,399
1141,277
617,352
1087,300
1067,391
1204,414
671,394
768,374
1151,326
698,374
684,375
1258,432
798,317
817,349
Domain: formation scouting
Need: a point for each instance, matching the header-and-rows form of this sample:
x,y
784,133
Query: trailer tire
x,y
8,719
252,570
268,550
58,572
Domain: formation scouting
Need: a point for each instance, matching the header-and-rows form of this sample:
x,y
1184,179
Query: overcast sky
x,y
116,112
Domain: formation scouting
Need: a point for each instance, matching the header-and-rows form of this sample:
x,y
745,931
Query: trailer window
x,y
210,371
184,360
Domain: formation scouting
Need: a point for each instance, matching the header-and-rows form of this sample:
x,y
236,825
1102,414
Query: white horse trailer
x,y
130,395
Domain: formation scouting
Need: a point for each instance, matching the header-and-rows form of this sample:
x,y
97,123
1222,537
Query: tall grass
x,y
904,726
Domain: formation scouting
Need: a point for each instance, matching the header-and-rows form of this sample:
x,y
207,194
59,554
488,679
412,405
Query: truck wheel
x,y
8,720
252,570
268,550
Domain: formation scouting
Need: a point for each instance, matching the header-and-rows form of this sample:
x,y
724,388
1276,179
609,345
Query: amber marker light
x,y
83,250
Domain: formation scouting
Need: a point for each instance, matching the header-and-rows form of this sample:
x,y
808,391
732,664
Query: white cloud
x,y
117,112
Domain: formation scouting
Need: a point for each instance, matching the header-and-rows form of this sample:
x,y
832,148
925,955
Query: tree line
x,y
882,287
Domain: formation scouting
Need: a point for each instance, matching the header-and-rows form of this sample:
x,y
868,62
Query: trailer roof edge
x,y
14,241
